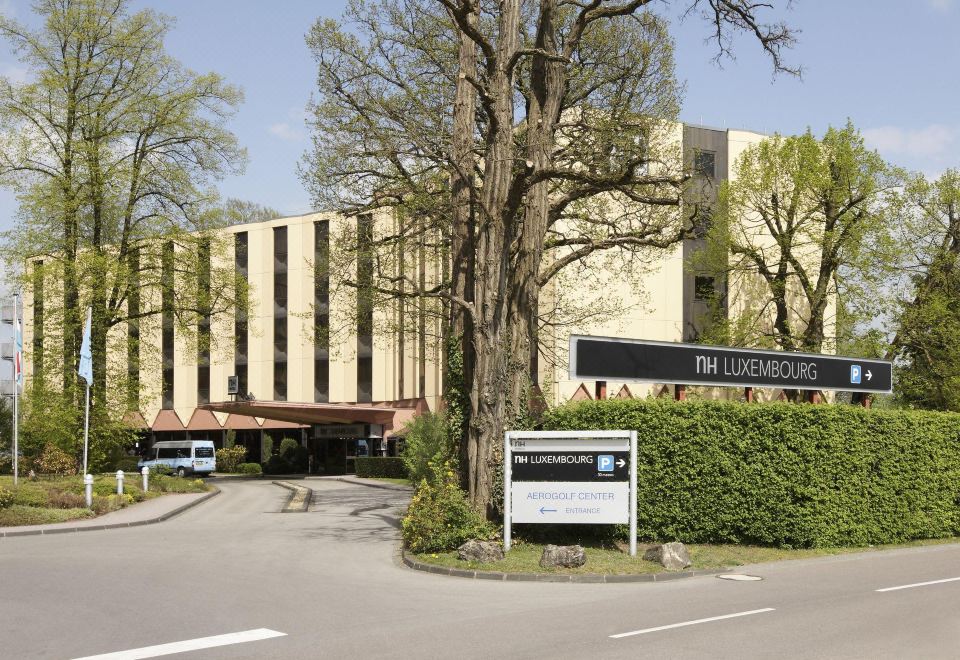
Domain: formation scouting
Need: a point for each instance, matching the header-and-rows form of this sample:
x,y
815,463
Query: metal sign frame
x,y
629,436
572,365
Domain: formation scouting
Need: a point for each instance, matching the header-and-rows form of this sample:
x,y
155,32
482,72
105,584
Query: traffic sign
x,y
579,477
600,358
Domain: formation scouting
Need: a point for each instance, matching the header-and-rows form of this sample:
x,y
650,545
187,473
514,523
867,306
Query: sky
x,y
886,65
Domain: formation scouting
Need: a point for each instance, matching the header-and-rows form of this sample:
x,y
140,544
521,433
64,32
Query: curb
x,y
301,493
99,528
581,578
373,484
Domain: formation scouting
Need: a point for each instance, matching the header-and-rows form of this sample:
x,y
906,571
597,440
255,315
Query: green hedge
x,y
786,475
381,466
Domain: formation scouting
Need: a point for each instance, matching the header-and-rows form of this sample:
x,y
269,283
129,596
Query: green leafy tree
x,y
513,140
928,313
110,146
796,234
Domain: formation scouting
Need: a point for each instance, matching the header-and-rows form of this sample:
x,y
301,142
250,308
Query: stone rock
x,y
485,552
672,556
565,556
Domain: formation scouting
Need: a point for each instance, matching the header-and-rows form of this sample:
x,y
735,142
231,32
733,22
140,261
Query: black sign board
x,y
571,466
597,358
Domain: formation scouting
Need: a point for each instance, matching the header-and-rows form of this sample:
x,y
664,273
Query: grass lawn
x,y
391,480
53,499
525,557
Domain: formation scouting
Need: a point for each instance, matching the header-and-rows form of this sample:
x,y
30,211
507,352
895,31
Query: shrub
x,y
161,471
126,463
6,498
440,517
53,460
291,459
60,499
785,475
427,440
381,466
229,458
30,494
249,468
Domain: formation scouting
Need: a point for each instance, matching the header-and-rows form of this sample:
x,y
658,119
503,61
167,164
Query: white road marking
x,y
188,645
691,623
920,584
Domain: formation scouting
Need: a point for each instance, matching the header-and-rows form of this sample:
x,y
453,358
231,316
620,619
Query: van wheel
x,y
181,472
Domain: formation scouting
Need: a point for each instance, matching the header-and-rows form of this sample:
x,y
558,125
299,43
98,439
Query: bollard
x,y
145,472
119,482
88,488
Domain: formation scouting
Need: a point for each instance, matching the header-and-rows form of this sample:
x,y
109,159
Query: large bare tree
x,y
519,137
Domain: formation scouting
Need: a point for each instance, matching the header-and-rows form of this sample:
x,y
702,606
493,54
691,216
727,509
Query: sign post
x,y
603,358
570,477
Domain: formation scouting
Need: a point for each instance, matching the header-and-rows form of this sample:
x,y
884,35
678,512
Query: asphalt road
x,y
329,581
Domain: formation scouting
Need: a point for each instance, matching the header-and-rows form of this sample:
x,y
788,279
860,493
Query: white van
x,y
182,456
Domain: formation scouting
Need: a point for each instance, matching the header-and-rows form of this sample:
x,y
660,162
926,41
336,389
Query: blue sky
x,y
886,64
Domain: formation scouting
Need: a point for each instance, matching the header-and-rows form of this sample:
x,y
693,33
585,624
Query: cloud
x,y
942,6
932,142
285,131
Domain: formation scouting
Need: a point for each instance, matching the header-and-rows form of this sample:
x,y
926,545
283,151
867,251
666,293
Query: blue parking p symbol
x,y
855,374
605,463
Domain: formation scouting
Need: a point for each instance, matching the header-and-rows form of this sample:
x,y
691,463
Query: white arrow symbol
x,y
621,463
869,375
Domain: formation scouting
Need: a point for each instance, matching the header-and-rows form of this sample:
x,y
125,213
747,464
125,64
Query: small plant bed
x,y
57,499
605,559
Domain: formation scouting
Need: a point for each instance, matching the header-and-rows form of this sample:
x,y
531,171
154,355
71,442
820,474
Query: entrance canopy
x,y
390,414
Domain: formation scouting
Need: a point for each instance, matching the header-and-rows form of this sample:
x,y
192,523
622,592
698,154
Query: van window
x,y
183,452
203,452
166,452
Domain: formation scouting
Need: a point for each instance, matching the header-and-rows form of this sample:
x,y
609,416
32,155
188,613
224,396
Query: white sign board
x,y
570,477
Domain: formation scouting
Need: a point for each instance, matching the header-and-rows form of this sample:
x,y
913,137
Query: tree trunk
x,y
462,246
493,371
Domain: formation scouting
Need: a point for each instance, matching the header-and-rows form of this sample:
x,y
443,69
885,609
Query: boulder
x,y
485,552
563,556
672,556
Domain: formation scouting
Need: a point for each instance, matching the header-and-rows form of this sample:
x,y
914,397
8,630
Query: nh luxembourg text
x,y
756,367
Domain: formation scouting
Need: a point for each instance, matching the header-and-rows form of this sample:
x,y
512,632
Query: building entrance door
x,y
336,458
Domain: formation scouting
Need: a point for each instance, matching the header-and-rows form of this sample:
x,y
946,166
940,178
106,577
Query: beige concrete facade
x,y
656,299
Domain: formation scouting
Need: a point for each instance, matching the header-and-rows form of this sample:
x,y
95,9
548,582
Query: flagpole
x,y
86,429
16,387
86,372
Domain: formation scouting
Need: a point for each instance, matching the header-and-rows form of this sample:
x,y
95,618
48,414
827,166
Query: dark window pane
x,y
203,452
365,379
703,288
321,380
280,381
704,163
203,384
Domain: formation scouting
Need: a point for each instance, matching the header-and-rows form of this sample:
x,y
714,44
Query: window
x,y
701,221
280,313
704,288
37,320
364,308
704,163
203,384
168,452
321,311
167,339
203,452
203,325
364,379
280,381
